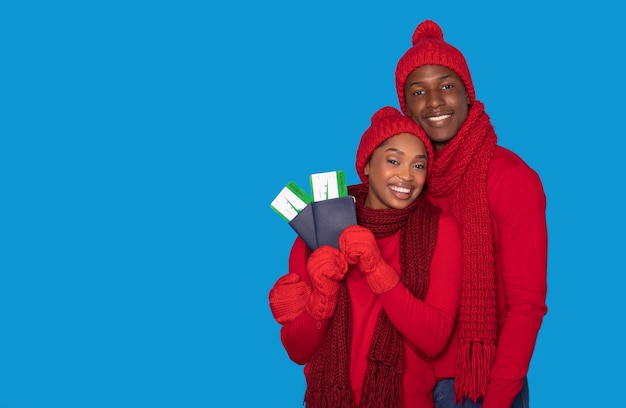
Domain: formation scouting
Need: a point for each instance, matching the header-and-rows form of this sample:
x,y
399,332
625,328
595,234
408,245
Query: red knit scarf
x,y
328,380
460,171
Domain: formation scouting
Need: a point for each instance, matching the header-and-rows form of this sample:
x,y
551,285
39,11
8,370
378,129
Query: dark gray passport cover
x,y
321,222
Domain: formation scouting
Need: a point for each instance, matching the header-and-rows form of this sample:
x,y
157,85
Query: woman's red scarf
x,y
328,380
460,171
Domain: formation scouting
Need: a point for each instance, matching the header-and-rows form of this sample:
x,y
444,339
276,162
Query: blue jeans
x,y
444,396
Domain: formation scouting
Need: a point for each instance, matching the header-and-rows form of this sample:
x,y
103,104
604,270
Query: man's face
x,y
437,100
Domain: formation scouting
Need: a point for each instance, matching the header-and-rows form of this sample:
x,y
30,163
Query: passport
x,y
321,222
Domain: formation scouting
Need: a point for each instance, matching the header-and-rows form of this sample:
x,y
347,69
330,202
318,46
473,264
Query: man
x,y
500,204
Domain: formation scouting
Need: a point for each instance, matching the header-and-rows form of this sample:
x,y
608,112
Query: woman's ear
x,y
366,170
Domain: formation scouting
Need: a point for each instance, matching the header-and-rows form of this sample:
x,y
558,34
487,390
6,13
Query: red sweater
x,y
426,325
517,203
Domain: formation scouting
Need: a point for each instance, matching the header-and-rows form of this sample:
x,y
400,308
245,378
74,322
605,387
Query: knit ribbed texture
x,y
429,48
326,266
386,123
359,245
288,297
328,382
460,171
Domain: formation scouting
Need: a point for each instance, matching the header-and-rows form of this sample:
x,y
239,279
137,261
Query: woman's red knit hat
x,y
386,123
429,48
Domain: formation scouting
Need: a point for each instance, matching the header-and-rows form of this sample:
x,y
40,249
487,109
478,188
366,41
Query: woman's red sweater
x,y
426,325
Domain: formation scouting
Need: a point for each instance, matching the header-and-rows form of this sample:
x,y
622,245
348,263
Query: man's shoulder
x,y
507,168
506,155
505,159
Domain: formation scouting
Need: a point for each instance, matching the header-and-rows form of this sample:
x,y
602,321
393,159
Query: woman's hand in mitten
x,y
288,297
359,246
326,266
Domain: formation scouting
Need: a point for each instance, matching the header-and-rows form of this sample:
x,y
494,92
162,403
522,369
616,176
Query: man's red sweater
x,y
518,210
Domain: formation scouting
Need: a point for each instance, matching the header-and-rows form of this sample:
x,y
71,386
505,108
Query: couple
x,y
436,297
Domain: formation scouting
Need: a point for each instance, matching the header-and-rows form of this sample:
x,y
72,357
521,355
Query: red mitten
x,y
359,246
288,297
326,266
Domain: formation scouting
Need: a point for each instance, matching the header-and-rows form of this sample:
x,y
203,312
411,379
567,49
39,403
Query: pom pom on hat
x,y
429,48
386,123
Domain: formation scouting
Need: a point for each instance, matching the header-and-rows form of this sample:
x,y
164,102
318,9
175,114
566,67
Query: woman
x,y
365,317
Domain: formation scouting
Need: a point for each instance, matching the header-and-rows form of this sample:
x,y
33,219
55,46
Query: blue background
x,y
142,142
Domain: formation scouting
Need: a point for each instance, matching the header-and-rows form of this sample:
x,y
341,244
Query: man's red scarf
x,y
460,171
328,380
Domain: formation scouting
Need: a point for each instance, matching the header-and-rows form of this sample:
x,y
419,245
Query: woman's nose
x,y
405,173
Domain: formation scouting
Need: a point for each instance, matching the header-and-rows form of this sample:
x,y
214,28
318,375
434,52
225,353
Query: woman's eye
x,y
393,161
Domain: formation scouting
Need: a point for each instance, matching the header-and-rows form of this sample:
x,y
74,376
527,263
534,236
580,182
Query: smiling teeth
x,y
440,117
401,190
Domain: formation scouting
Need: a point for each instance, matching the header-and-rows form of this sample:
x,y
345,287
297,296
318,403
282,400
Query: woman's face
x,y
436,99
396,172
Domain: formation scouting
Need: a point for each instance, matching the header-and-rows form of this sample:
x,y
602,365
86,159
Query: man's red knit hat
x,y
429,48
386,123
